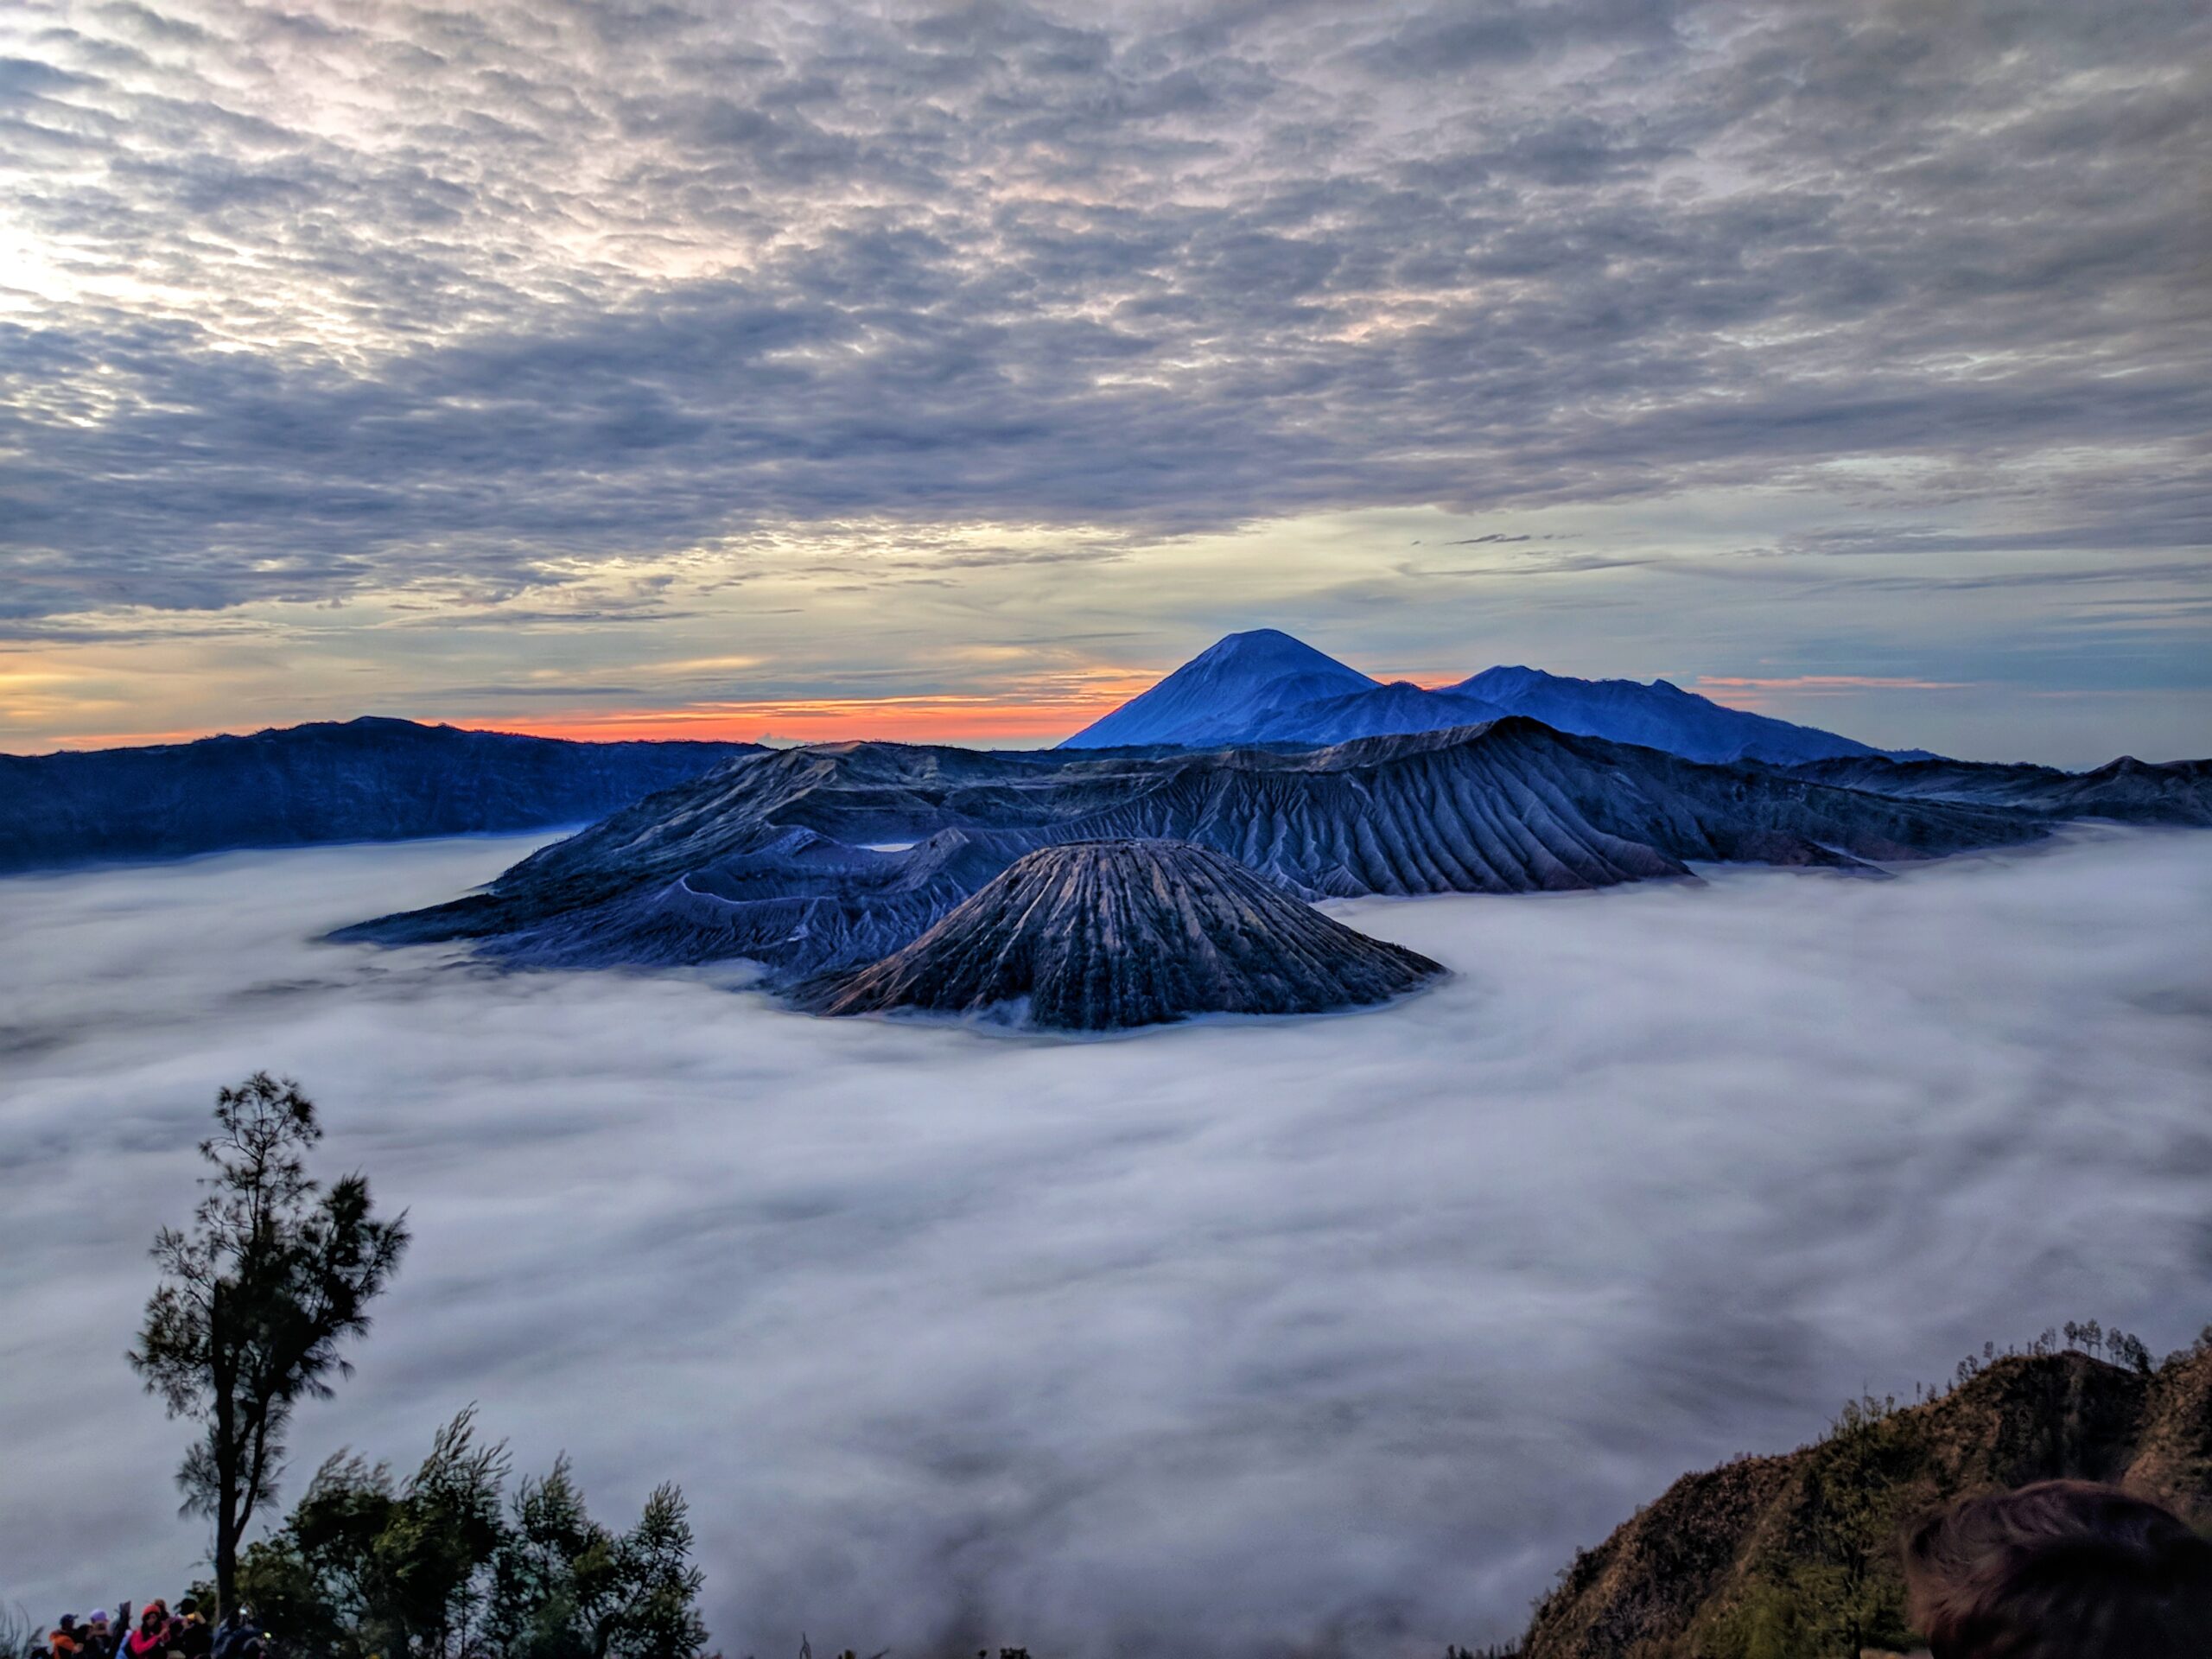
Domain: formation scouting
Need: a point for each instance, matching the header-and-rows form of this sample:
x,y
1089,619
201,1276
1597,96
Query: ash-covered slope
x,y
813,860
366,780
2128,790
1105,935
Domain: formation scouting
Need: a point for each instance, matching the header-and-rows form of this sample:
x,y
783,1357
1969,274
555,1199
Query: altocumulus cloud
x,y
318,301
1329,1336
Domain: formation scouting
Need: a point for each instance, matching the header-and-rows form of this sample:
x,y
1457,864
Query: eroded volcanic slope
x,y
1105,935
818,859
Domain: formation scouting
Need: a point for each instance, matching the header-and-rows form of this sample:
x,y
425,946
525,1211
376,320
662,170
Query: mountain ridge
x,y
1398,709
1265,686
1660,715
2126,790
779,858
371,778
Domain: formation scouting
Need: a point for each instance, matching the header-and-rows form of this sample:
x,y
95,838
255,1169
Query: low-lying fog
x,y
1342,1332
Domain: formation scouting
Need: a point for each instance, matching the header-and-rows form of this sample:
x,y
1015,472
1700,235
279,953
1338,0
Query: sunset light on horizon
x,y
827,370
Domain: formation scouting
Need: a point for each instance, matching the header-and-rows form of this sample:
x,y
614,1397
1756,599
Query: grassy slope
x,y
1794,1557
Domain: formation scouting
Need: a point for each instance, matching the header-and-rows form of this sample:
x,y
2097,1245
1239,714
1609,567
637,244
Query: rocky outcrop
x,y
368,779
1105,935
811,861
1798,1553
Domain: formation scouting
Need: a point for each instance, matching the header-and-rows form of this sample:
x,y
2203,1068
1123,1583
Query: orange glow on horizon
x,y
934,719
951,718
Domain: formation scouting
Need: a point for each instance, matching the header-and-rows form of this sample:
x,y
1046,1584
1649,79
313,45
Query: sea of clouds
x,y
1337,1335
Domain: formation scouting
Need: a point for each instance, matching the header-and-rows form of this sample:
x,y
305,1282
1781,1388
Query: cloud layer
x,y
1342,1332
326,301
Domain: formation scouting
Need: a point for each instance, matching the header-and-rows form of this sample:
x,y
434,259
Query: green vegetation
x,y
1796,1557
255,1299
272,1276
20,1636
1834,1586
1831,1585
443,1565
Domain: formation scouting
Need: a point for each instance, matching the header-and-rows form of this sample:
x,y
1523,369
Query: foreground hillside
x,y
367,779
1794,1557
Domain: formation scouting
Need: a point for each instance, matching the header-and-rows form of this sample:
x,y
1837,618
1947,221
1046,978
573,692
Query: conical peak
x,y
1271,650
1102,935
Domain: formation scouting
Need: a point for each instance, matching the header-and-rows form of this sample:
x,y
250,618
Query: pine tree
x,y
273,1274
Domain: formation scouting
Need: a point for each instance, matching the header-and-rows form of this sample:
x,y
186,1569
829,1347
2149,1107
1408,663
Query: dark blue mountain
x,y
817,861
2127,791
1659,716
1220,694
1265,687
368,779
1398,706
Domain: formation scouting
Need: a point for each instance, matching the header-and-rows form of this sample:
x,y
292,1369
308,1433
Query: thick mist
x,y
1340,1333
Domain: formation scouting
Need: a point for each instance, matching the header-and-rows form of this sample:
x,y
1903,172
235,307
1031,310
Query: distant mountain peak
x,y
1265,686
1224,691
1265,653
1264,644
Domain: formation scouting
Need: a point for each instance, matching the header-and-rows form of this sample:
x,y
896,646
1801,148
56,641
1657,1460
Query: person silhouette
x,y
2064,1569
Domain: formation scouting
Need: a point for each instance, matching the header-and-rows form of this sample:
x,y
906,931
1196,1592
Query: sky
x,y
1330,1336
817,370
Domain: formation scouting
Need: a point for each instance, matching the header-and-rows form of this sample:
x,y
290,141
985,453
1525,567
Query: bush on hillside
x,y
444,1566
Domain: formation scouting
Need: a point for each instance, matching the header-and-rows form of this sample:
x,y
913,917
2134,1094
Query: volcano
x,y
1105,935
1222,693
817,861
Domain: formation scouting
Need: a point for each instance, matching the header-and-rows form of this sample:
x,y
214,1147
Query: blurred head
x,y
2064,1569
187,1607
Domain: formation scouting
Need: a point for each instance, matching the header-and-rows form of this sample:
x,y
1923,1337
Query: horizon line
x,y
949,718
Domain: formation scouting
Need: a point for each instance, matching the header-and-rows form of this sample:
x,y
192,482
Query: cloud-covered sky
x,y
820,368
1329,1335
